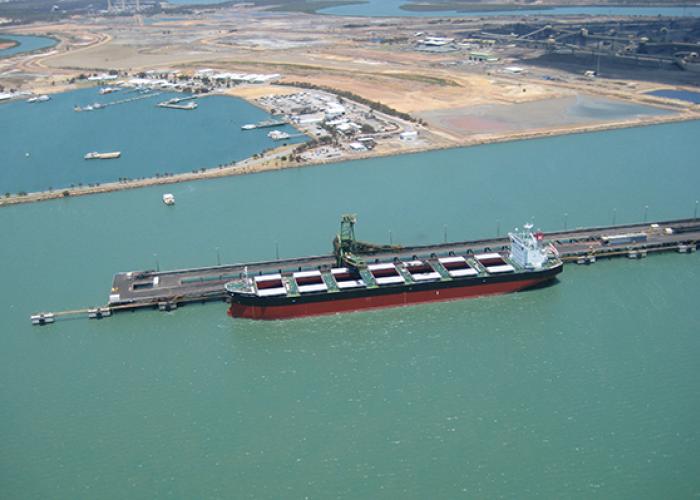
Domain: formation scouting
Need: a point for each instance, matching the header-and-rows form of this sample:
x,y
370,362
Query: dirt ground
x,y
373,58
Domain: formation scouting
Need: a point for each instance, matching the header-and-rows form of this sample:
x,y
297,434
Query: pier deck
x,y
149,288
167,290
120,101
265,124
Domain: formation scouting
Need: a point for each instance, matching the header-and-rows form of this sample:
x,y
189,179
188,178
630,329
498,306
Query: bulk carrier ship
x,y
356,285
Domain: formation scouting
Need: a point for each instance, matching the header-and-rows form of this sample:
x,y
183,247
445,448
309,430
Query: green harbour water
x,y
585,388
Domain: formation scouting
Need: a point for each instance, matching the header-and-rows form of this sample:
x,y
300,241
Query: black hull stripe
x,y
249,300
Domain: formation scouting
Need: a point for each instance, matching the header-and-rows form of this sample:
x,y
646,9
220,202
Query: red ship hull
x,y
399,298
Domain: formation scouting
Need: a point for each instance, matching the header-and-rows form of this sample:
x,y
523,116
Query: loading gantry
x,y
348,250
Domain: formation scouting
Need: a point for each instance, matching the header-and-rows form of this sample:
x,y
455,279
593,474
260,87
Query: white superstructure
x,y
526,249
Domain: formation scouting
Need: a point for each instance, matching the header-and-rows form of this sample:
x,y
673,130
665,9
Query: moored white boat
x,y
40,98
94,155
278,135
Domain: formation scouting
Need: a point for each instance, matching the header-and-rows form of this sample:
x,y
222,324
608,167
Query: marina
x,y
157,141
168,290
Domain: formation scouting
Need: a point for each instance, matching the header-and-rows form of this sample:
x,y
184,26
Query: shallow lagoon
x,y
382,8
26,43
683,95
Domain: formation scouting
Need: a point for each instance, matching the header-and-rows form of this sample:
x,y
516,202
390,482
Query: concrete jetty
x,y
264,124
167,290
175,103
115,103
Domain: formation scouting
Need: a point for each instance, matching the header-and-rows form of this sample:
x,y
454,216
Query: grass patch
x,y
432,80
265,64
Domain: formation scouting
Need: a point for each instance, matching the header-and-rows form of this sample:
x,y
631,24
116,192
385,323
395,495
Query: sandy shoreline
x,y
273,160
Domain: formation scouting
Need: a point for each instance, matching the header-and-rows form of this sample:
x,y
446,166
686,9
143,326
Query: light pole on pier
x,y
444,230
498,228
277,250
566,220
646,212
391,238
155,256
614,218
695,213
218,257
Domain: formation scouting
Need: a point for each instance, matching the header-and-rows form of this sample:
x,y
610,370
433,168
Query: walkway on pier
x,y
119,101
150,288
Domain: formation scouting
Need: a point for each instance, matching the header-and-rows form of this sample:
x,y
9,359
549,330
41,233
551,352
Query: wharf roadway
x,y
168,289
